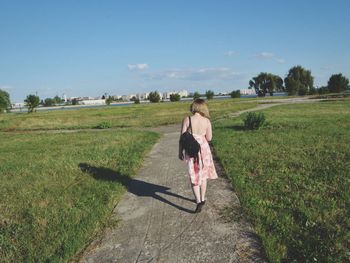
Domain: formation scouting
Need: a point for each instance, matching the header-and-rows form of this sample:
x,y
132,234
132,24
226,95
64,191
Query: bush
x,y
32,101
196,95
109,100
4,101
154,96
175,97
104,125
235,94
209,94
253,120
137,101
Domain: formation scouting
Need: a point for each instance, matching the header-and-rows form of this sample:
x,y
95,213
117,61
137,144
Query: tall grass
x,y
293,179
49,206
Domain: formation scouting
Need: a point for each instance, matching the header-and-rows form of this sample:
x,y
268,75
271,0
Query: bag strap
x,y
190,127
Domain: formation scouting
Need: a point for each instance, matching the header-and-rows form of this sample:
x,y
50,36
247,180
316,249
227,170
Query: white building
x,y
182,93
92,102
247,92
142,96
116,97
18,105
128,97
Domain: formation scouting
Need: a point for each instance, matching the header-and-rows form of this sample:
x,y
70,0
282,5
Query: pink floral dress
x,y
204,170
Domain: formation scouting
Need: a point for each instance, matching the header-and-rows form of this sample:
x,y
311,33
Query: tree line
x,y
298,81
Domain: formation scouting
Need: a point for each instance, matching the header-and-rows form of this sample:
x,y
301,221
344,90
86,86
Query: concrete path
x,y
157,223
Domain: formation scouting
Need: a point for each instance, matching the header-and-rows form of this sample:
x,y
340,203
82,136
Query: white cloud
x,y
265,55
138,66
268,56
195,74
230,53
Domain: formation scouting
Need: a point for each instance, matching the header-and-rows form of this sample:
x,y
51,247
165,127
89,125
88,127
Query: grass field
x,y
293,179
292,176
50,204
141,115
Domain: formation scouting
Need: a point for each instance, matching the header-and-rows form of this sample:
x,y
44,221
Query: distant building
x,y
182,93
142,96
128,97
18,105
247,92
92,102
116,97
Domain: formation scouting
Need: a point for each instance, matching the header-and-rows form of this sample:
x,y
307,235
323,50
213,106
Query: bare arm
x,y
209,132
185,124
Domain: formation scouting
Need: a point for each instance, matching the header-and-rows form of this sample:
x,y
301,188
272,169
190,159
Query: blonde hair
x,y
201,107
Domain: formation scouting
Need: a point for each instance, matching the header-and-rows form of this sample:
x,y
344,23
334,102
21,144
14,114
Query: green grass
x,y
50,207
293,179
141,115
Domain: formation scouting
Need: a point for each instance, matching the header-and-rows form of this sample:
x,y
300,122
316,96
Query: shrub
x,y
32,101
175,97
137,101
235,94
109,100
253,120
104,125
4,101
196,95
154,96
209,94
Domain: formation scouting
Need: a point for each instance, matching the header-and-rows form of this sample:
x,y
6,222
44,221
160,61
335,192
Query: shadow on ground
x,y
134,186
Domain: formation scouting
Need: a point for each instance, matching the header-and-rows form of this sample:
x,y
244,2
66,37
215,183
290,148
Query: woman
x,y
199,171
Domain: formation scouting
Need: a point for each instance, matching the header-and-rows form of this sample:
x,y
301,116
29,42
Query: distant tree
x,y
154,96
337,83
57,100
235,94
312,91
266,83
175,97
137,101
5,102
323,90
299,81
32,101
74,101
209,94
133,98
196,95
109,100
48,102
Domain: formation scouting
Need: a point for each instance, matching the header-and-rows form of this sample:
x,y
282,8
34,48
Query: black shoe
x,y
203,202
199,207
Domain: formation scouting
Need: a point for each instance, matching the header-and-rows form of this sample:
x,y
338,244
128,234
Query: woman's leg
x,y
203,189
196,192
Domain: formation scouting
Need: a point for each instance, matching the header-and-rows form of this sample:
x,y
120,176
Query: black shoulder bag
x,y
189,144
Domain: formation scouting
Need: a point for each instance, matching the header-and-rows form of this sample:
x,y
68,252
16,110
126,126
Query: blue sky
x,y
87,48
